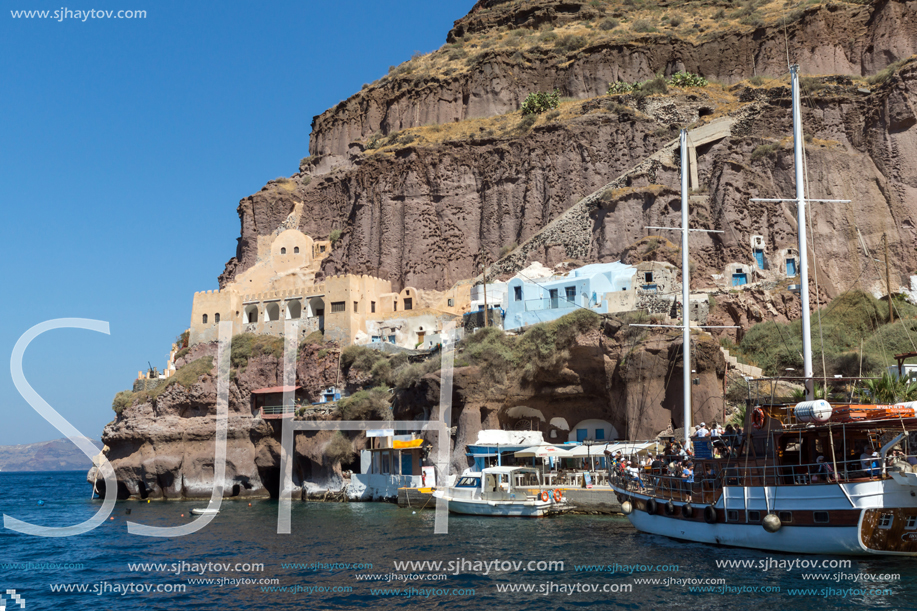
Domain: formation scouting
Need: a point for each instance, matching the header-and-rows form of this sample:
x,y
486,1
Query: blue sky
x,y
125,146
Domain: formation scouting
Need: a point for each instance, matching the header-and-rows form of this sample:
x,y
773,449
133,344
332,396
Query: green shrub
x,y
675,21
547,36
360,357
619,87
643,26
122,399
508,248
182,340
334,236
340,449
540,101
687,79
192,372
651,87
608,24
758,80
719,15
365,403
316,338
181,353
883,75
568,43
247,346
766,150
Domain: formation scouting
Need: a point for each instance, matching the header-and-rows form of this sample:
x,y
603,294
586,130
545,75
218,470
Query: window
x,y
648,277
785,516
204,319
570,293
886,520
599,434
581,434
283,251
355,310
296,250
395,305
754,516
821,517
517,293
450,302
338,306
911,523
732,515
408,303
216,318
321,248
372,307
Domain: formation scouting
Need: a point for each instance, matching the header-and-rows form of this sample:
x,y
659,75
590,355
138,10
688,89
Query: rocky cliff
x,y
163,447
420,199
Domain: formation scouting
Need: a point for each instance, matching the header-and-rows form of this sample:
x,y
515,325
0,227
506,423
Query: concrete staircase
x,y
746,370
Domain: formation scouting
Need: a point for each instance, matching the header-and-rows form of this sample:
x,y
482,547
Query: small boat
x,y
503,491
206,511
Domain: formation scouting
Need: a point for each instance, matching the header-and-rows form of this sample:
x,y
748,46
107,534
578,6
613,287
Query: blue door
x,y
790,268
759,257
739,279
581,434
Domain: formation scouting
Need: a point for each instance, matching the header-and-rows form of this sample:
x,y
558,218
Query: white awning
x,y
542,452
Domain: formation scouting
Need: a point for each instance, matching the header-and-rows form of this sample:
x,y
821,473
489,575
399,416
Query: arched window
x,y
283,251
205,319
216,318
296,250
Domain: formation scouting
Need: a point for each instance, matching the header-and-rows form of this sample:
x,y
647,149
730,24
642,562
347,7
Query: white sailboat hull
x,y
839,540
524,509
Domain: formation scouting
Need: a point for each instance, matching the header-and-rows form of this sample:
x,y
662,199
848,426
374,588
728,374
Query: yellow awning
x,y
401,445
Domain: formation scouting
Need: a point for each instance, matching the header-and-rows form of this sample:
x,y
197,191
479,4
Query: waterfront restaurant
x,y
498,448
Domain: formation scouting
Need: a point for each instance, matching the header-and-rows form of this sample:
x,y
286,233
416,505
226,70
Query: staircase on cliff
x,y
573,228
747,370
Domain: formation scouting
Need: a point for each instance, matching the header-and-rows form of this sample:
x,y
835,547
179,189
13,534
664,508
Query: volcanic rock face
x,y
832,39
618,374
165,448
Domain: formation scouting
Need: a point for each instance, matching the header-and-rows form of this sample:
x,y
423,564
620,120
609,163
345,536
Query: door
x,y
553,295
759,257
570,292
790,268
739,279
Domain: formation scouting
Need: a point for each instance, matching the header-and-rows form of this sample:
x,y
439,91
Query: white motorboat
x,y
503,491
204,511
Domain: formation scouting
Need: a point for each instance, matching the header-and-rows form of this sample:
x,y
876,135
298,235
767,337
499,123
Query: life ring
x,y
558,495
651,506
757,418
544,496
687,510
709,514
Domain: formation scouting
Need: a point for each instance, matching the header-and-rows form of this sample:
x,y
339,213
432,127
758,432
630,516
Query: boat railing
x,y
706,487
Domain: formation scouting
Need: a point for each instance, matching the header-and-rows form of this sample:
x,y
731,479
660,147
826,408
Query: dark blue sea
x,y
343,556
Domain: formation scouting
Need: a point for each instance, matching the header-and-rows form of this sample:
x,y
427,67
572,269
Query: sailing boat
x,y
808,478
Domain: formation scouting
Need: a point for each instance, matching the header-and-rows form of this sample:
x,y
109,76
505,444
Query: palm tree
x,y
888,389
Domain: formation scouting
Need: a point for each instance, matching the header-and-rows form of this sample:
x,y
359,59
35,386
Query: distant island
x,y
57,455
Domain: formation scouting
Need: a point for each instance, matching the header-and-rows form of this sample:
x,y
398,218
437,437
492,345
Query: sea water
x,y
379,556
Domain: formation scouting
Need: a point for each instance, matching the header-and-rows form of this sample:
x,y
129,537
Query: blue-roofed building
x,y
600,287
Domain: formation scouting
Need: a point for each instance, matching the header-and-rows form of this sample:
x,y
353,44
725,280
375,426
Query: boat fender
x,y
687,510
757,418
669,508
710,514
544,495
771,523
627,508
40,503
558,495
651,506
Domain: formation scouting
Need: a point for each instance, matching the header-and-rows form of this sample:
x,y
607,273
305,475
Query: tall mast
x,y
801,222
685,288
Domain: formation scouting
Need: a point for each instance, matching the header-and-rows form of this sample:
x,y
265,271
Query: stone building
x,y
286,284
